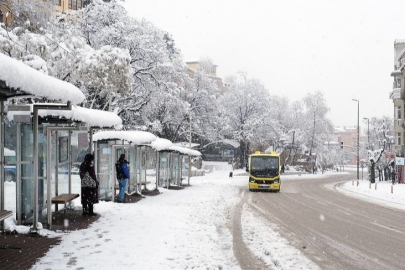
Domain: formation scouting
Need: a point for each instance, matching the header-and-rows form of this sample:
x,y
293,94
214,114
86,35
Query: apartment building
x,y
210,70
68,5
5,12
397,96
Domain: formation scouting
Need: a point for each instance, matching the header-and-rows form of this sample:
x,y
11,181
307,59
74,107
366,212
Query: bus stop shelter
x,y
170,166
17,80
66,142
109,145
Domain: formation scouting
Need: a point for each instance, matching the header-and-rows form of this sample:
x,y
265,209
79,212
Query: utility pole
x,y
189,157
358,138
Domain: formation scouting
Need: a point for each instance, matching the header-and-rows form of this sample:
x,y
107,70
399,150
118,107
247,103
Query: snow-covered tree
x,y
380,136
106,73
244,108
316,121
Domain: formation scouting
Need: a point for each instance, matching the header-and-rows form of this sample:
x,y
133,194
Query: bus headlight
x,y
251,180
277,181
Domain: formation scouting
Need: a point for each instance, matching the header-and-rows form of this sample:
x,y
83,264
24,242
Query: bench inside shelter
x,y
64,199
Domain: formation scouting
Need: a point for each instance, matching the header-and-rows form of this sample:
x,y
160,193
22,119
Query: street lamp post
x,y
358,136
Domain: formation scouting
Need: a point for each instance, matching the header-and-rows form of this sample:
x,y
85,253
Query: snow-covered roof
x,y
161,144
133,136
90,117
165,145
20,77
185,151
235,144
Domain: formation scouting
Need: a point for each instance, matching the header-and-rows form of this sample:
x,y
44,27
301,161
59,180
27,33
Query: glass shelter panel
x,y
80,148
104,169
175,170
163,169
150,165
131,157
10,166
62,179
184,165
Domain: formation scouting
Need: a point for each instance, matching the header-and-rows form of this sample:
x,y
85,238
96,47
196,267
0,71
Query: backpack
x,y
119,170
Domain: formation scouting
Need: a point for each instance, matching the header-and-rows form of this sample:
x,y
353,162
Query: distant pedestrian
x,y
122,176
89,185
282,168
393,177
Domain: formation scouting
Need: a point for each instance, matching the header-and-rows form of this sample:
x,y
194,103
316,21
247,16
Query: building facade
x,y
6,15
397,96
69,5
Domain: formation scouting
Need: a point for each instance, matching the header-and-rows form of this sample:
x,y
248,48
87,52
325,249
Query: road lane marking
x,y
388,228
322,203
344,212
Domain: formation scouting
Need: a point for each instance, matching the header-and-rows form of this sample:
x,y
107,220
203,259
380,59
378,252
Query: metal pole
x,y
2,141
189,157
358,138
35,168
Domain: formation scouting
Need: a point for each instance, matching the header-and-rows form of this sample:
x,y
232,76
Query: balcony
x,y
396,94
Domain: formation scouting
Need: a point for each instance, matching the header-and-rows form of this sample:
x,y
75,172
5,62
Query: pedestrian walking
x,y
122,171
89,185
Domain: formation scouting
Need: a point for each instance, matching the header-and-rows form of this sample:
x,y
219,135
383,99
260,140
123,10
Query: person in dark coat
x,y
89,193
122,177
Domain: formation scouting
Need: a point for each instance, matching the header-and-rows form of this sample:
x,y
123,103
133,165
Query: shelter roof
x,y
90,117
165,145
18,79
133,136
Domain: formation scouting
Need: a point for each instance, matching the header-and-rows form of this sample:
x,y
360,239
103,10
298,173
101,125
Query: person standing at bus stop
x,y
89,185
122,171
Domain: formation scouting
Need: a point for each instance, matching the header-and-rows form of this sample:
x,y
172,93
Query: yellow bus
x,y
264,171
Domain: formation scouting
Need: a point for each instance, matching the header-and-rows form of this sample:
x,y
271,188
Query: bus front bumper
x,y
255,186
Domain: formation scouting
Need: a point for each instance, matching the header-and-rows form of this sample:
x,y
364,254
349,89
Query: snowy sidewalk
x,y
378,193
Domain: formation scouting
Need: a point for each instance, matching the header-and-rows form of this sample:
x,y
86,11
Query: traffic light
x,y
341,145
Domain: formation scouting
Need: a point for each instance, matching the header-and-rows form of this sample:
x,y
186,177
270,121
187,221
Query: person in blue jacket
x,y
122,176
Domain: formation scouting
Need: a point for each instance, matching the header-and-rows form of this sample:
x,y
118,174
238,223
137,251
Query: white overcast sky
x,y
344,48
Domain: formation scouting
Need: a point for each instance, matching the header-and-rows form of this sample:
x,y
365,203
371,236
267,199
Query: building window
x,y
1,16
398,114
58,2
77,4
399,138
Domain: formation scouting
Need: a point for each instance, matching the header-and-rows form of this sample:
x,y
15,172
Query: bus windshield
x,y
259,163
